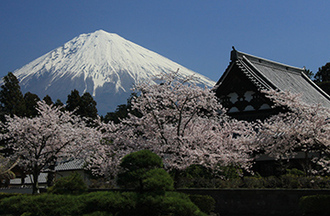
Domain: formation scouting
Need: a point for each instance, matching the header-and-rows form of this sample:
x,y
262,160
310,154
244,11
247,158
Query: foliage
x,y
323,74
322,78
11,97
142,170
315,205
48,100
87,106
204,202
53,134
42,205
31,103
157,181
73,101
6,195
84,106
300,128
308,73
105,203
72,184
122,111
182,123
172,203
288,180
325,86
111,202
179,204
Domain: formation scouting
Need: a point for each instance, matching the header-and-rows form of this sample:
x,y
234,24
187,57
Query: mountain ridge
x,y
101,63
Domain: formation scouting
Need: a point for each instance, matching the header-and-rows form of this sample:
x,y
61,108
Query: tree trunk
x,y
35,183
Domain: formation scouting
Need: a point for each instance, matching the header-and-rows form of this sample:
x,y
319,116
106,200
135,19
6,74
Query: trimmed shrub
x,y
42,205
289,181
149,204
134,167
272,182
100,203
253,182
98,213
72,184
178,204
5,195
204,202
315,205
157,181
111,202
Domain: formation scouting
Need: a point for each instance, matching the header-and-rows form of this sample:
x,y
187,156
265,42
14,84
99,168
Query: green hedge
x,y
42,205
285,181
315,205
72,184
100,203
6,195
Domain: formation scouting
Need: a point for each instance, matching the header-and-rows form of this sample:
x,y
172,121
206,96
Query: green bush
x,y
157,181
42,205
178,204
315,205
289,181
134,167
253,182
272,182
149,204
5,195
111,202
295,172
72,184
204,202
98,213
100,203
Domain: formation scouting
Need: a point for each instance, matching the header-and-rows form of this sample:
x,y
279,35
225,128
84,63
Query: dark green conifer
x,y
48,100
11,97
87,106
31,101
73,101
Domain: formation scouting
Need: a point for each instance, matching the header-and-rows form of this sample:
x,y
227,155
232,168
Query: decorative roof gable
x,y
240,85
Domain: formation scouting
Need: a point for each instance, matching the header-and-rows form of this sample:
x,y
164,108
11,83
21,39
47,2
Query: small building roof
x,y
74,164
267,74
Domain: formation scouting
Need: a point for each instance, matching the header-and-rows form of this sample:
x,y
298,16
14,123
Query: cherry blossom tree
x,y
48,137
299,128
181,122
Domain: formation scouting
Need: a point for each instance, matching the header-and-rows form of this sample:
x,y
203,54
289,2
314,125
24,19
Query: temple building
x,y
240,86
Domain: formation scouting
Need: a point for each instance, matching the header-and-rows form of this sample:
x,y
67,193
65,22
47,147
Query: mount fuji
x,y
103,64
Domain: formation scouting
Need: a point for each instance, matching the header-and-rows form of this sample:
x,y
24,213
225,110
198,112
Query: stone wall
x,y
256,202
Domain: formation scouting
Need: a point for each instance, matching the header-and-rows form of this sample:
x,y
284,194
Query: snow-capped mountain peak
x,y
101,63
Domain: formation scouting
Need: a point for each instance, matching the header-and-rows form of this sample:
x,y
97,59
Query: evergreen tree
x,y
11,97
48,100
323,75
122,111
87,106
84,106
322,78
309,73
58,103
31,102
73,101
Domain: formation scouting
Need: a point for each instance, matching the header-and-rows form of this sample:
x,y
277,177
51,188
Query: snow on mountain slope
x,y
103,64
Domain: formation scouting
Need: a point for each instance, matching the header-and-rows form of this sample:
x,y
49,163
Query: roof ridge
x,y
238,54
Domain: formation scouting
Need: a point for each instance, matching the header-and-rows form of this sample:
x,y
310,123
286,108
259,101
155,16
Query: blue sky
x,y
196,34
